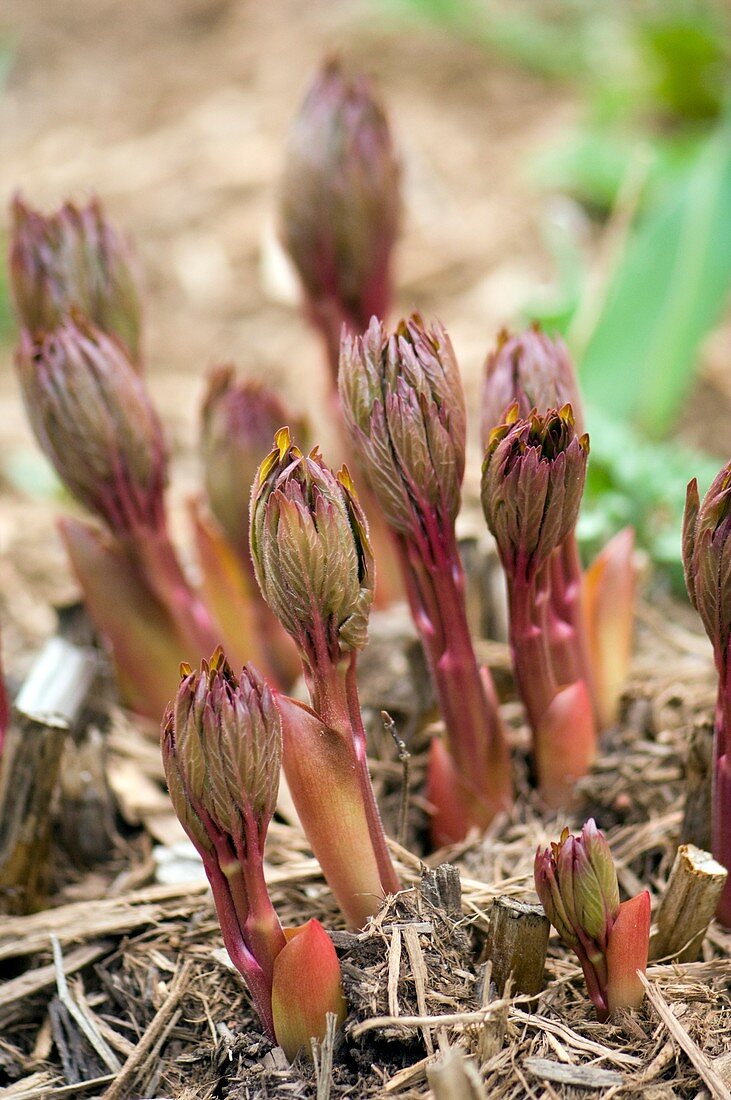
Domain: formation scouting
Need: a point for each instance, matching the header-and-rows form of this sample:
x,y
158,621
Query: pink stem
x,y
259,984
435,585
534,671
597,994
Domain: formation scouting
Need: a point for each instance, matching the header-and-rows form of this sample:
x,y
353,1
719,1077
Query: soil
x,y
175,114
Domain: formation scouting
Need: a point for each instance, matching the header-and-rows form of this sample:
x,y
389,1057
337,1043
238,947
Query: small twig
x,y
404,758
491,1035
420,976
394,970
573,1039
152,1035
451,1019
587,1077
100,1045
322,1058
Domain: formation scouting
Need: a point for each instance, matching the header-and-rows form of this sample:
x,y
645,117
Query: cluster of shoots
x,y
79,364
707,563
577,883
222,747
288,574
570,632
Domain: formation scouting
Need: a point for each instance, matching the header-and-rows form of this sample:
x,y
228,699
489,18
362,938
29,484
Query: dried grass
x,y
140,1003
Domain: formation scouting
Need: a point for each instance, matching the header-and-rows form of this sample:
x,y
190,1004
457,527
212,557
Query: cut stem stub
x,y
516,945
694,887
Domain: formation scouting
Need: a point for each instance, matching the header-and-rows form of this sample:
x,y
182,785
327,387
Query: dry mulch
x,y
121,989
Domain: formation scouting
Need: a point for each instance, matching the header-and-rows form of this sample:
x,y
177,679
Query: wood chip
x,y
586,1077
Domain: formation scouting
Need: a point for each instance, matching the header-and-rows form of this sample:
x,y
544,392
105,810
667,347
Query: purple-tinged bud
x,y
222,752
94,421
310,549
340,202
576,882
707,558
239,419
74,259
532,482
404,406
531,370
222,749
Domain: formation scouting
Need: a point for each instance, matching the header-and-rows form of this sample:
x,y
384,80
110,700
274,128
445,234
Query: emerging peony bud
x,y
707,564
404,407
222,749
74,259
307,986
532,371
239,419
312,558
532,483
577,884
314,565
93,419
707,559
340,204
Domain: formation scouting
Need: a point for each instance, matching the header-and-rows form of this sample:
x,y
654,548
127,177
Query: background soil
x,y
175,113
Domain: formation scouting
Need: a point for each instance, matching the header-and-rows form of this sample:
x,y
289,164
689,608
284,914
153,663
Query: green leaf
x,y
667,291
633,481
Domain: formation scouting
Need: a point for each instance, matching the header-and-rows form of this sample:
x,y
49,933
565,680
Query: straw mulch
x,y
121,989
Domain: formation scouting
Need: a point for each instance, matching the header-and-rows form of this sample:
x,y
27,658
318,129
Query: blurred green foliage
x,y
649,162
633,481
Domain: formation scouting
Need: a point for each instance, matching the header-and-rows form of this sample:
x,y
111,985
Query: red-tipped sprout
x,y
222,750
74,259
307,986
707,563
532,482
532,371
340,204
404,408
536,373
239,418
577,884
610,592
93,419
222,755
313,562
